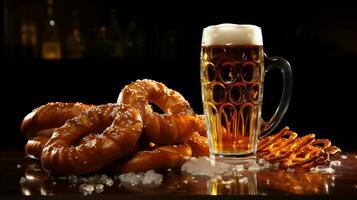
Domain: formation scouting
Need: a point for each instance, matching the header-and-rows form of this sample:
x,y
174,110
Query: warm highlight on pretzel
x,y
106,133
39,125
198,144
175,125
34,146
43,120
162,157
291,152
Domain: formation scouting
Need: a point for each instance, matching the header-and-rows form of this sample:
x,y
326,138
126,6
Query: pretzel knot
x,y
117,128
291,151
272,143
287,150
175,125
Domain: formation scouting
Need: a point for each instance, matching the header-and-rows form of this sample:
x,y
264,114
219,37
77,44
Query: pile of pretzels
x,y
129,136
291,151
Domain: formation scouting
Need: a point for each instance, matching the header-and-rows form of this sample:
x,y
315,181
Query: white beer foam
x,y
232,34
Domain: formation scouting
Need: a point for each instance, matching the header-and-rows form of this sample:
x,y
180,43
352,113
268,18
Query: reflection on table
x,y
36,181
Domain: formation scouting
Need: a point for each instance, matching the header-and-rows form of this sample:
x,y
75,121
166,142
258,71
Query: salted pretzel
x,y
162,157
119,127
34,146
39,125
201,127
44,119
290,151
198,144
275,142
290,148
175,125
308,156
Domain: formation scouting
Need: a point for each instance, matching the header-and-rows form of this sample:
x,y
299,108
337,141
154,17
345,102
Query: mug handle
x,y
285,68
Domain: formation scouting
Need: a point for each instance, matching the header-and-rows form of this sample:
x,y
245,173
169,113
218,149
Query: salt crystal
x,y
323,169
243,180
83,180
86,188
90,144
22,180
132,178
73,179
18,166
151,177
99,188
297,187
202,166
344,157
335,163
109,182
102,178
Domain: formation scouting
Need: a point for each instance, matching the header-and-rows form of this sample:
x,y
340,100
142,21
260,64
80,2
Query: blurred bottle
x,y
28,34
51,46
134,39
102,45
116,35
75,45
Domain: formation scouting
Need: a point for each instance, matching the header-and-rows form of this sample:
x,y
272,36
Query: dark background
x,y
319,40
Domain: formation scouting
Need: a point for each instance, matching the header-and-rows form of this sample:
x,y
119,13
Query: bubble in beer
x,y
232,34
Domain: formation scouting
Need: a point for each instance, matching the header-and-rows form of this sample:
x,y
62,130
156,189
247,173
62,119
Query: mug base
x,y
246,159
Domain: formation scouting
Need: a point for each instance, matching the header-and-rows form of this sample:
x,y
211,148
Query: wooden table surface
x,y
265,184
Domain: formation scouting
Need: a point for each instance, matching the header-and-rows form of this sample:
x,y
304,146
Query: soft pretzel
x,y
162,157
34,146
201,127
198,144
43,120
175,125
39,125
108,131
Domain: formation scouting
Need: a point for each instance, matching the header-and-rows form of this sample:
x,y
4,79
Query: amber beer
x,y
232,76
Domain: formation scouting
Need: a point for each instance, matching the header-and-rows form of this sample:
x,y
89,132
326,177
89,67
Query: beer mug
x,y
232,80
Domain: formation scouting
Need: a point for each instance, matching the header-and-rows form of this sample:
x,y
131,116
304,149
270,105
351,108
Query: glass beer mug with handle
x,y
232,80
